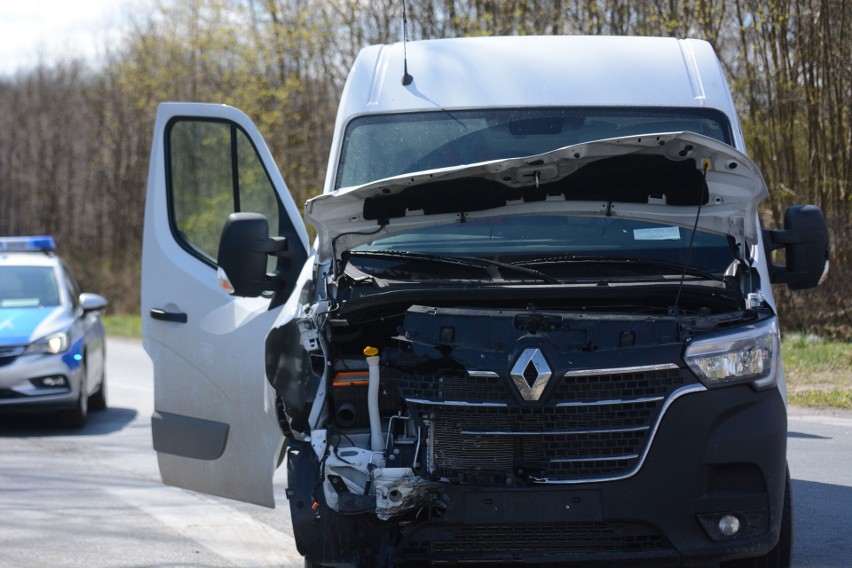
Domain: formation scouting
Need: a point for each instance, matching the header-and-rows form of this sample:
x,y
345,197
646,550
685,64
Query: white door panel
x,y
215,426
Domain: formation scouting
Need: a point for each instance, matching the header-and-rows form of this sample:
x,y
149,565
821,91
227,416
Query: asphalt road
x,y
819,451
92,498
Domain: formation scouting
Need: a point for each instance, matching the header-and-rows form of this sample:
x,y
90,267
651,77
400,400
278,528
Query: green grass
x,y
834,398
819,372
123,325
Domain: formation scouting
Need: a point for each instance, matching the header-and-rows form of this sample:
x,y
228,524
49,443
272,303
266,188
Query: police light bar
x,y
43,243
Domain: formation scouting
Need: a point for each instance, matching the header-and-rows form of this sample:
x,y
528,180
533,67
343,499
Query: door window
x,y
73,288
213,171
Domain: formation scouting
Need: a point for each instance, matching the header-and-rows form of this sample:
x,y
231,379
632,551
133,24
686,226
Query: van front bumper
x,y
716,453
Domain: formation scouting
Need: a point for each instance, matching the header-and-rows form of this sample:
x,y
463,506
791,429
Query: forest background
x,y
75,138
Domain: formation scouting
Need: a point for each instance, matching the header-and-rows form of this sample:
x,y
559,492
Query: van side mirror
x,y
244,247
805,242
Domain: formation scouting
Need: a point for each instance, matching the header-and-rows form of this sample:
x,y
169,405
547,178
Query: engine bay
x,y
502,389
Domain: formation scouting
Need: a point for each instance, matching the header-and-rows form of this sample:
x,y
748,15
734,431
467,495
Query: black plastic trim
x,y
188,437
176,317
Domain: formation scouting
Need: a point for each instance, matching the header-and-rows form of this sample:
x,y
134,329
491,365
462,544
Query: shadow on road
x,y
806,436
99,423
821,534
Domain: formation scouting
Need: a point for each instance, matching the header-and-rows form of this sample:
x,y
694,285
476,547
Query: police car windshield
x,y
381,146
28,287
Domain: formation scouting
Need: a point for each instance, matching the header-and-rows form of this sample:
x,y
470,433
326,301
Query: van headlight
x,y
747,355
51,344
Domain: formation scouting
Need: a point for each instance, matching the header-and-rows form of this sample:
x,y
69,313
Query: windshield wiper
x,y
675,267
492,267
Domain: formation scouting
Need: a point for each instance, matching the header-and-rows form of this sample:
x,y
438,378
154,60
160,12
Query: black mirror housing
x,y
805,241
243,250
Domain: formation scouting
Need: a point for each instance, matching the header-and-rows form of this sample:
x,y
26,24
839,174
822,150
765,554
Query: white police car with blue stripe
x,y
52,346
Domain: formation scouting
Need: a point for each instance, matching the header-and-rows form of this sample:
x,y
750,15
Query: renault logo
x,y
531,374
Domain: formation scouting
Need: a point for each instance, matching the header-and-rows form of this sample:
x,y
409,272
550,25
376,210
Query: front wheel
x,y
98,401
76,417
781,555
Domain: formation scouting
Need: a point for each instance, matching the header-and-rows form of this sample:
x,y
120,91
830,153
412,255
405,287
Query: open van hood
x,y
660,178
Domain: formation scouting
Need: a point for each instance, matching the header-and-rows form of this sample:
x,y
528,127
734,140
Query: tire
x,y
76,417
98,401
781,555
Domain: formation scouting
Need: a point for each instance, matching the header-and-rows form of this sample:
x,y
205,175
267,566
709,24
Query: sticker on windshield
x,y
20,303
657,234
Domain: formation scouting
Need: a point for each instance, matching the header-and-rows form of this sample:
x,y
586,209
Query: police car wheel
x,y
76,417
98,401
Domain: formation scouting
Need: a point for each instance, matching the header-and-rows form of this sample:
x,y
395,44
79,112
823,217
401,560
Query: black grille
x,y
9,393
621,385
557,443
454,387
9,354
601,429
486,542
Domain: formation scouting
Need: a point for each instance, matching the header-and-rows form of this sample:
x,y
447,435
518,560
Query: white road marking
x,y
230,533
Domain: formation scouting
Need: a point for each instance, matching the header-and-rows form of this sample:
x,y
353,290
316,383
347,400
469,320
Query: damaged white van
x,y
536,324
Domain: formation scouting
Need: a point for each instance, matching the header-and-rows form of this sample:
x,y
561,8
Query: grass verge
x,y
834,398
123,325
819,372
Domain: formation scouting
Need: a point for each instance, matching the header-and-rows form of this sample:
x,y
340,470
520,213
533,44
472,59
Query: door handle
x,y
161,314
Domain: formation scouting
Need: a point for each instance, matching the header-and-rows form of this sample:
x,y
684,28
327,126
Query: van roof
x,y
530,71
535,71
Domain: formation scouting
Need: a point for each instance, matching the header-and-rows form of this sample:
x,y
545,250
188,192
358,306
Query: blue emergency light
x,y
43,243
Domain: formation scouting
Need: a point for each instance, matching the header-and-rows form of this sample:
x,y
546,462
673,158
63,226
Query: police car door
x,y
214,426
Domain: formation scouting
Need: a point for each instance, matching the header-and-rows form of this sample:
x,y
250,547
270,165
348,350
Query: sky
x,y
34,31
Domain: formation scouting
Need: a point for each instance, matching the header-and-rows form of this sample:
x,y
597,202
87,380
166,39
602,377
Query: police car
x,y
51,338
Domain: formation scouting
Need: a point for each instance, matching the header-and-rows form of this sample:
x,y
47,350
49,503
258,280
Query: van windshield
x,y
381,146
559,246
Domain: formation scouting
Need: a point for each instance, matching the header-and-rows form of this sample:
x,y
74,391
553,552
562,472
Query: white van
x,y
536,325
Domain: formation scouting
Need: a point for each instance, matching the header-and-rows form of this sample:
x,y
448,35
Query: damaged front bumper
x,y
718,452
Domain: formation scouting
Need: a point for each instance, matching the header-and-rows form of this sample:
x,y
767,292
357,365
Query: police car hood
x,y
21,326
664,178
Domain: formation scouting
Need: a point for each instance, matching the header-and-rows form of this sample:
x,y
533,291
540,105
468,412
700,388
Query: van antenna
x,y
406,78
673,309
